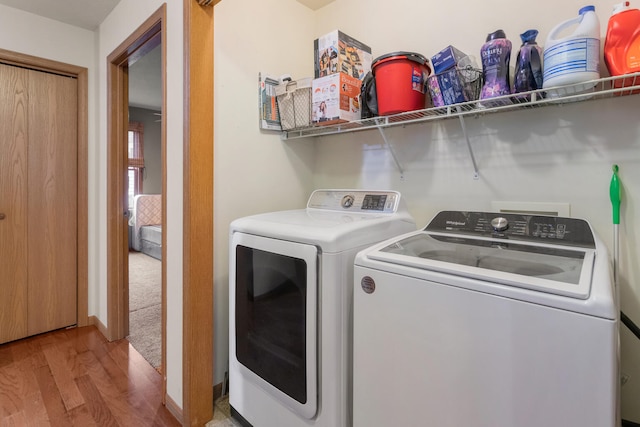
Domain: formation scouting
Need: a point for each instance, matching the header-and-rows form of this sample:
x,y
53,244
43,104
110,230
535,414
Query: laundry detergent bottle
x,y
528,75
495,55
574,58
622,43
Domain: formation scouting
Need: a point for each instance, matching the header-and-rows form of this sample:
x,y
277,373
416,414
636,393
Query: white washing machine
x,y
486,320
290,305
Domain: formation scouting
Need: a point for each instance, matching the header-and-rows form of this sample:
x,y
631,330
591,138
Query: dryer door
x,y
274,317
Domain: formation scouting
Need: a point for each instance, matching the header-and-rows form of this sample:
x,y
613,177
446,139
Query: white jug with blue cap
x,y
574,58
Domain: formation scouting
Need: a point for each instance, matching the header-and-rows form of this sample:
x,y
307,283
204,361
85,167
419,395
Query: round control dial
x,y
499,223
347,201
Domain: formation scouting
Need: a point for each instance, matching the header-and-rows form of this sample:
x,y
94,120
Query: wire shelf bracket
x,y
392,151
476,174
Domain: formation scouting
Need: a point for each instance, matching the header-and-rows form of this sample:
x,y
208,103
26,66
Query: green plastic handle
x,y
614,195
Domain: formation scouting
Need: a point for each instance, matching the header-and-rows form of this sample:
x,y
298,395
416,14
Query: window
x,y
136,160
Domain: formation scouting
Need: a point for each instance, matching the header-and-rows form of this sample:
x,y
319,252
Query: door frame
x,y
148,36
197,304
81,74
198,143
141,41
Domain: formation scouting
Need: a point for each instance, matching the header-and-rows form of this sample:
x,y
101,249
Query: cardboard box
x,y
336,52
446,58
335,99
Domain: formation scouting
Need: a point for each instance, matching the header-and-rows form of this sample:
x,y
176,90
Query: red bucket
x,y
401,78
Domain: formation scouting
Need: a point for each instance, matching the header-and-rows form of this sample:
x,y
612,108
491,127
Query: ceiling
x,y
315,4
87,14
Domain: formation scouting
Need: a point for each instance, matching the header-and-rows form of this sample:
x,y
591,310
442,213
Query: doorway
x,y
145,177
149,37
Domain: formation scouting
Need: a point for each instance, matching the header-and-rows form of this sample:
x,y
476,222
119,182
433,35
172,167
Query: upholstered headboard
x,y
147,210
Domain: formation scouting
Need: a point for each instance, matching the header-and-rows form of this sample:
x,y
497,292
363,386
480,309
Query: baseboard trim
x,y
217,391
175,410
93,320
626,423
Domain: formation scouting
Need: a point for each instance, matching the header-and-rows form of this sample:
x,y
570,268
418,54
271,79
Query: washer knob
x,y
500,223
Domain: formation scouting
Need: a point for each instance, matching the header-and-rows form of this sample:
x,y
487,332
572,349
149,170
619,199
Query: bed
x,y
146,223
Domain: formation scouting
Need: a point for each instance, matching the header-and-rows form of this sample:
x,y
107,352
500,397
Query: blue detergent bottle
x,y
528,74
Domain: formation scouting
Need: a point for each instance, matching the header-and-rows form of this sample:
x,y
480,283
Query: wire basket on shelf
x,y
294,104
454,86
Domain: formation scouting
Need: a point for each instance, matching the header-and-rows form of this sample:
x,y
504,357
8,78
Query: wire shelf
x,y
608,87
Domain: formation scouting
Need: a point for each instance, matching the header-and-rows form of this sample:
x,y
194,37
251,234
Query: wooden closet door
x,y
13,202
52,202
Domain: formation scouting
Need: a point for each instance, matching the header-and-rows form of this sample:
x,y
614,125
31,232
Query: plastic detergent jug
x,y
574,58
528,75
622,43
495,55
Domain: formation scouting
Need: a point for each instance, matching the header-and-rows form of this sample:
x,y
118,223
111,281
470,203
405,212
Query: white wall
x,y
558,154
254,171
127,16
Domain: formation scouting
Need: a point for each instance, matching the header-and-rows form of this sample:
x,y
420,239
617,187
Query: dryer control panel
x,y
355,201
544,229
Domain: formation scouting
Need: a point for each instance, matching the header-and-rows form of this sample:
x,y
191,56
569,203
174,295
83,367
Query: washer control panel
x,y
355,201
560,230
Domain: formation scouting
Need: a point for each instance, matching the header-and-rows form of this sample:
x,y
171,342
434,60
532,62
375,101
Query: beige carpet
x,y
145,306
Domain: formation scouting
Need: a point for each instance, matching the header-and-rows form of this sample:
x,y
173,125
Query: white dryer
x,y
486,320
290,305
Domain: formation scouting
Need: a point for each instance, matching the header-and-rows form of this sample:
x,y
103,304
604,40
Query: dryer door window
x,y
275,316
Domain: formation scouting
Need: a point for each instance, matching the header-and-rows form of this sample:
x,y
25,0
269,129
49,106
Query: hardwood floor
x,y
76,377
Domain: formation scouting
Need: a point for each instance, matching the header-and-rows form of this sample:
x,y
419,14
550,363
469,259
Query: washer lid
x,y
561,270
